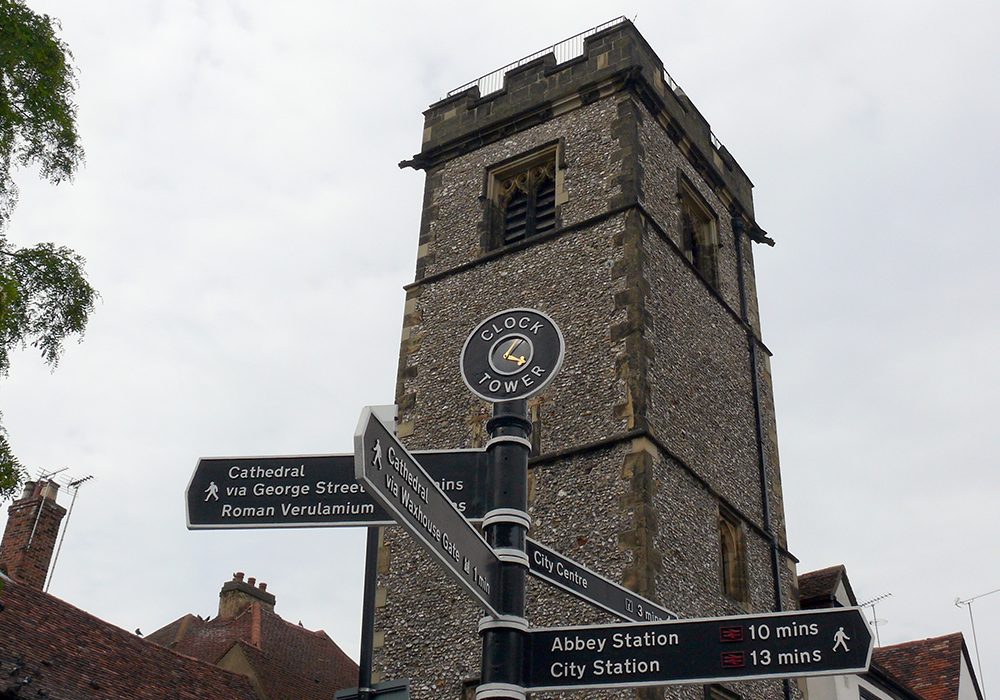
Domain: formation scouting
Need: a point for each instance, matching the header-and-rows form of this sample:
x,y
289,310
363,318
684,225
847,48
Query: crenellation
x,y
450,122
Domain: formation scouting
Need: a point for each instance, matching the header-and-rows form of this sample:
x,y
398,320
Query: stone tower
x,y
592,189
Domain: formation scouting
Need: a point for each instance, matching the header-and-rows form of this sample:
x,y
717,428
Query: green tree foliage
x,y
44,294
37,114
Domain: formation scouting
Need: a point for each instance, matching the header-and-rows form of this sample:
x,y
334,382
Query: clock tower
x,y
584,184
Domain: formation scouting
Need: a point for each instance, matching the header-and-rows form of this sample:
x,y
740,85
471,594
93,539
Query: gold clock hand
x,y
513,345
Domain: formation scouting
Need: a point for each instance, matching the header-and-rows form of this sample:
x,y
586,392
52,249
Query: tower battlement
x,y
613,59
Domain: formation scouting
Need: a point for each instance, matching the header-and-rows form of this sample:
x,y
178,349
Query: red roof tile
x,y
312,658
932,667
818,588
278,682
48,646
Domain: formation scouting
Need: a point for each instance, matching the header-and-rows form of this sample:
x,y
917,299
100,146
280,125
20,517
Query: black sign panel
x,y
780,645
550,566
397,481
512,355
315,491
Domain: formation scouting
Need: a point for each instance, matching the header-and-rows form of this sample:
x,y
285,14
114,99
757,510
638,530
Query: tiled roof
x,y
312,657
48,648
895,686
818,588
932,667
278,682
207,640
820,583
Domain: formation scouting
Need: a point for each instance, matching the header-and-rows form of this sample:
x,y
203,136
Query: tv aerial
x,y
875,621
74,485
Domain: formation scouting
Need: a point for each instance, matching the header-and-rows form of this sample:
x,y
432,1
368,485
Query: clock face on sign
x,y
512,355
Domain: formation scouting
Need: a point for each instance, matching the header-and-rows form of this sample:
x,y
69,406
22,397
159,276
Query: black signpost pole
x,y
365,690
509,357
506,527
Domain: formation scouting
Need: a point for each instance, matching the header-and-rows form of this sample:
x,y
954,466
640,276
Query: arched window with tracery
x,y
525,194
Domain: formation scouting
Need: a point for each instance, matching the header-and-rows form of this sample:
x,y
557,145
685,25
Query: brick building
x,y
590,187
50,649
929,669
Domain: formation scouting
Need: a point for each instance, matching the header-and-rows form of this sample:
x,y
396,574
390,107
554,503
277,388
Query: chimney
x,y
237,594
30,537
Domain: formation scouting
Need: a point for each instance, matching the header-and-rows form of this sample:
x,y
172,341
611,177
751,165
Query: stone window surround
x,y
707,235
733,563
548,152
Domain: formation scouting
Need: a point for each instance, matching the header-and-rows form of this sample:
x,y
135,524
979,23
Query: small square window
x,y
718,692
524,196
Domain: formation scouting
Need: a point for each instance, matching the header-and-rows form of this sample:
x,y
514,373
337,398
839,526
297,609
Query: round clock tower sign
x,y
512,355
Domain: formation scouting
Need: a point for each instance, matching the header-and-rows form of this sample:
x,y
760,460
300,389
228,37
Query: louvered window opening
x,y
689,236
530,207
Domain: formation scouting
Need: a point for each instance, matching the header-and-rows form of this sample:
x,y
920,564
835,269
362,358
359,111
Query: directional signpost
x,y
434,494
508,357
315,491
404,489
779,645
550,566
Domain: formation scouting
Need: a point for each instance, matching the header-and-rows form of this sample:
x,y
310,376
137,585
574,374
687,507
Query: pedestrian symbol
x,y
212,491
840,639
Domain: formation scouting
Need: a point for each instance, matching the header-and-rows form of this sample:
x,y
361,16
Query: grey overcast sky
x,y
243,216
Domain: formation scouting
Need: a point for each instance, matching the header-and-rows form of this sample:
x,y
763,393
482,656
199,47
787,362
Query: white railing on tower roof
x,y
565,50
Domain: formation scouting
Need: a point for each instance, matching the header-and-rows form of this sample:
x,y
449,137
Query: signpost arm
x,y
505,527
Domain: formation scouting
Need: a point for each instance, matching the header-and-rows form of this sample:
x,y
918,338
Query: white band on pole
x,y
504,621
500,690
507,515
512,556
509,438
